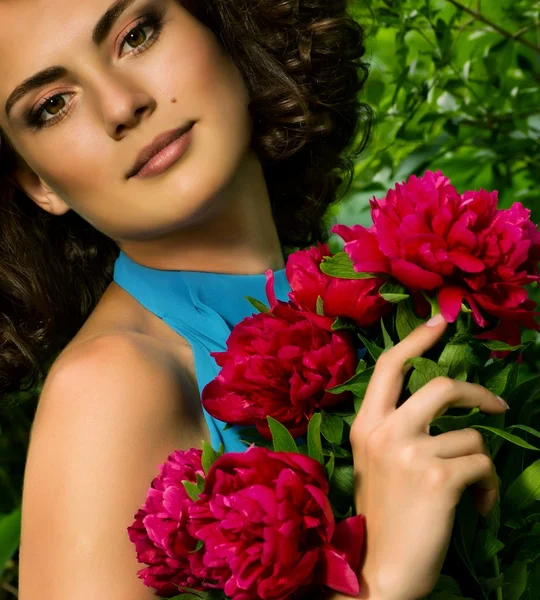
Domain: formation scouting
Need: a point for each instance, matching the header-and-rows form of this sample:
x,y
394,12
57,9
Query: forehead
x,y
42,33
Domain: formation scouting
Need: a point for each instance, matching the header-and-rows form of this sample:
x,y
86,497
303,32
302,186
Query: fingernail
x,y
503,402
436,320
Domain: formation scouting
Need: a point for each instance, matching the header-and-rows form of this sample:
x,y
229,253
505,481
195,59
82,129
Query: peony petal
x,y
508,332
348,539
337,573
466,262
269,288
450,299
413,276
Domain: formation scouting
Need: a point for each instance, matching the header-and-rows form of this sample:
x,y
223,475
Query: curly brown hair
x,y
302,61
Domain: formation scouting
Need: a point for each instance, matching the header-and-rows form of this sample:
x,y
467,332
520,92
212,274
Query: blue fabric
x,y
203,308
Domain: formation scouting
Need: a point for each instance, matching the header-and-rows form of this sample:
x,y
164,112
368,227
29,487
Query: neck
x,y
237,234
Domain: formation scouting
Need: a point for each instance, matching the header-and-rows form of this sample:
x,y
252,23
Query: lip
x,y
144,165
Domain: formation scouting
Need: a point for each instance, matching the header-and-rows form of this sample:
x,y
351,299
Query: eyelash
x,y
154,19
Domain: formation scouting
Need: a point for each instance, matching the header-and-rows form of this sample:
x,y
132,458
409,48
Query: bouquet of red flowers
x,y
277,521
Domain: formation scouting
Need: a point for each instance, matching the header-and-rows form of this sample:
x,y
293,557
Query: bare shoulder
x,y
110,412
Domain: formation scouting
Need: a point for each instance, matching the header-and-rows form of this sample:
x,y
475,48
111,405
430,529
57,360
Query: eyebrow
x,y
101,30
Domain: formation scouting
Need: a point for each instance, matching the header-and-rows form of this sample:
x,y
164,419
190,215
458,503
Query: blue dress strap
x,y
202,307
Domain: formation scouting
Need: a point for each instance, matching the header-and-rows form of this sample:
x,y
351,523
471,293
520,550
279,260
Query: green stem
x,y
498,591
480,17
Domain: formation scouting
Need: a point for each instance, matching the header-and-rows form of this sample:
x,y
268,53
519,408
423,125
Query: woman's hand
x,y
408,483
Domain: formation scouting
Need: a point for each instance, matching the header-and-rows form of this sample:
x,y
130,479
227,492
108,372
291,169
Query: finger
x,y
435,398
387,380
476,470
452,444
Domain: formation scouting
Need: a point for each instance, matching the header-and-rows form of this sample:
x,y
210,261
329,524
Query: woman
x,y
199,139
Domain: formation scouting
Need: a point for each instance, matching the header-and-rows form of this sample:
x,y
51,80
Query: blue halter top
x,y
202,307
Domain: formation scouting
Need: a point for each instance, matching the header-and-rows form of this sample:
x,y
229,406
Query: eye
x,y
53,105
136,38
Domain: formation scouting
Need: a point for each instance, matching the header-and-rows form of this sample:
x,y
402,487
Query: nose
x,y
123,104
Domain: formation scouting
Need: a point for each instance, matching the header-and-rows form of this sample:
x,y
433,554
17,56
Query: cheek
x,y
195,70
78,172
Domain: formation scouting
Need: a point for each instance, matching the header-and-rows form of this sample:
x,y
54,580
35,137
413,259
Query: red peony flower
x,y
280,364
159,530
429,237
356,299
268,528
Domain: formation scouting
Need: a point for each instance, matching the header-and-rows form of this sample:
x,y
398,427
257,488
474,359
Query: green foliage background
x,y
455,86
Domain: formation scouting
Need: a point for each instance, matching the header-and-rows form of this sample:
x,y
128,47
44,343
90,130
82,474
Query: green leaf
x,y
515,581
406,321
262,308
529,548
507,436
341,266
490,584
493,519
474,358
424,371
341,323
192,489
393,291
388,342
533,582
466,523
525,428
249,435
497,374
371,347
343,479
527,394
319,308
525,489
209,457
338,452
454,422
349,419
447,588
512,379
361,366
453,359
314,438
281,437
486,546
357,384
10,534
330,465
191,590
199,545
499,346
332,428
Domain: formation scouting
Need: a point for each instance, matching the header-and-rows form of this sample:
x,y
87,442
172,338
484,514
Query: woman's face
x,y
114,99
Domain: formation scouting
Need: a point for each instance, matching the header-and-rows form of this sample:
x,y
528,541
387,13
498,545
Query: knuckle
x,y
384,360
484,462
436,475
358,433
476,437
377,442
444,386
409,455
355,434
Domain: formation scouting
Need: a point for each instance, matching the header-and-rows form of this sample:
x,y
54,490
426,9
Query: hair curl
x,y
302,61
